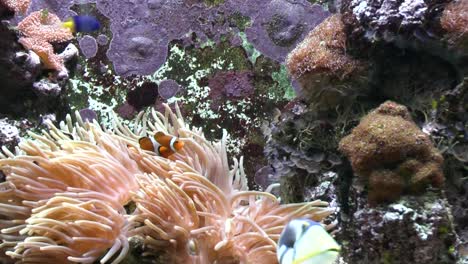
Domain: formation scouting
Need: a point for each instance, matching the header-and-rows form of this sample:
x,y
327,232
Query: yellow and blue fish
x,y
304,241
82,24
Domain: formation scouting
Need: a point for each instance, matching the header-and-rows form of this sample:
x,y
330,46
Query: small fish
x,y
304,241
168,141
82,24
162,144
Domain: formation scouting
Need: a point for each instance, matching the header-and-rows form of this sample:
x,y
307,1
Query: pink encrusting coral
x,y
65,190
40,29
17,5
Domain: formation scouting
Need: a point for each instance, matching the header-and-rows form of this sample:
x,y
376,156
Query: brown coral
x,y
40,29
17,5
321,64
390,151
454,21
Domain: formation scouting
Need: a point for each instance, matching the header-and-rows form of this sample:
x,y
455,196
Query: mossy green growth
x,y
451,249
84,92
44,14
78,97
283,87
443,230
183,64
240,21
213,2
386,258
252,53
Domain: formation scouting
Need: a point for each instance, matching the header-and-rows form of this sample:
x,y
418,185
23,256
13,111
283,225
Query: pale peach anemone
x,y
79,161
195,209
190,220
74,227
62,185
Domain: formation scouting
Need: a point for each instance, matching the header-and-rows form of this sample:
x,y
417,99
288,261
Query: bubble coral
x,y
322,67
64,193
40,29
390,151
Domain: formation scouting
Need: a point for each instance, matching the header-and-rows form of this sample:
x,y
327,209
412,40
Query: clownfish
x,y
304,241
162,144
82,24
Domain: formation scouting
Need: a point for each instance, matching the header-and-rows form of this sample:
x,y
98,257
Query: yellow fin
x,y
69,24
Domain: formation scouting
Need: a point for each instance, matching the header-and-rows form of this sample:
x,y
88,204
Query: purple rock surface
x,y
88,46
231,85
142,29
126,111
282,24
102,40
88,115
168,89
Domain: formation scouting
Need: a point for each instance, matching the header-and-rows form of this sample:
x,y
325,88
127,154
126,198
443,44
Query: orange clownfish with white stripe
x,y
162,144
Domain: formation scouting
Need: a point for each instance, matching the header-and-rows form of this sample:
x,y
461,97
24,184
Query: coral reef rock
x,y
142,30
417,229
301,151
9,134
390,152
88,46
18,70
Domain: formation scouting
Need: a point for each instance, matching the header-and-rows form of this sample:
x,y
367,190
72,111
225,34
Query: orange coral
x,y
321,65
17,5
40,30
390,151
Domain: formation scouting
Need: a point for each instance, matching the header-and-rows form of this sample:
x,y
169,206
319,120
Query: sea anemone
x,y
73,227
67,188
